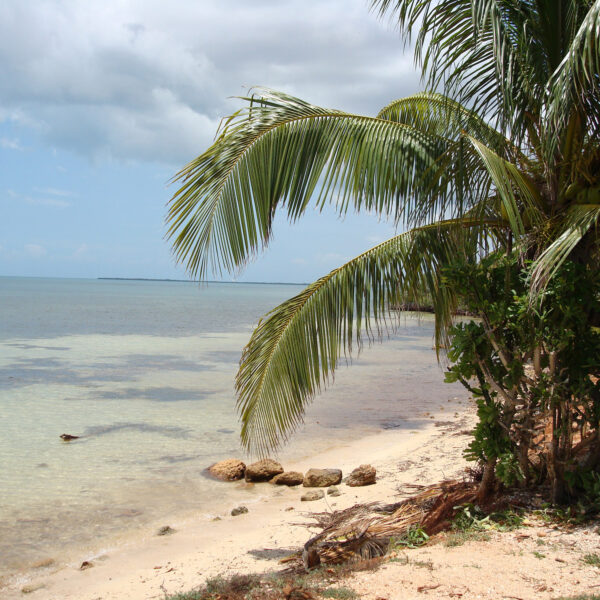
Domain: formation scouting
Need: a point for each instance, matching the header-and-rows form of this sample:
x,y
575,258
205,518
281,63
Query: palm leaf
x,y
296,347
578,221
282,151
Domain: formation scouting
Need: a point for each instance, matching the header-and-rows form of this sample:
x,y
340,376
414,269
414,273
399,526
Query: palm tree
x,y
500,155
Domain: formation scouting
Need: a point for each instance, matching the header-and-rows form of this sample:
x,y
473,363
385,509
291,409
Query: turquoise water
x,y
143,372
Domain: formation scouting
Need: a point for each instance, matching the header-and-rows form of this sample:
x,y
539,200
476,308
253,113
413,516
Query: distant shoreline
x,y
203,281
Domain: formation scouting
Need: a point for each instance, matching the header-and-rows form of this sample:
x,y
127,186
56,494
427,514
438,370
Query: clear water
x,y
143,372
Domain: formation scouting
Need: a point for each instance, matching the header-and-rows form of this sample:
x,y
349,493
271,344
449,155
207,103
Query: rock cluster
x,y
270,470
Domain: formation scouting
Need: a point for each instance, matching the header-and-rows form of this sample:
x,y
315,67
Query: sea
x,y
143,372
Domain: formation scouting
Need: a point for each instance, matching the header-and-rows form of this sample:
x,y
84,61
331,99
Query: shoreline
x,y
148,566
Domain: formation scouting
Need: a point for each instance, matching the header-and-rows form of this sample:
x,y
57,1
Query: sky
x,y
103,101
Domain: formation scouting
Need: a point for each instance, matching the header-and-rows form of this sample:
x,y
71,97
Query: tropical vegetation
x,y
492,174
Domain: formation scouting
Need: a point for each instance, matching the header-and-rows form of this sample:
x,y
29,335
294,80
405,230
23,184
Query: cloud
x,y
138,80
56,199
10,143
35,250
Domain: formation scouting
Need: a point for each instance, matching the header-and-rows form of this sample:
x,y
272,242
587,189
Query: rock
x,y
288,478
333,491
314,495
86,564
363,475
231,469
165,530
322,477
263,470
67,437
240,510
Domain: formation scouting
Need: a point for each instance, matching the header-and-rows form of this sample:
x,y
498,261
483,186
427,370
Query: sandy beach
x,y
539,560
148,566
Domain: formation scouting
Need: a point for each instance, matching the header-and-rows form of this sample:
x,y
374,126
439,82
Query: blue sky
x,y
101,102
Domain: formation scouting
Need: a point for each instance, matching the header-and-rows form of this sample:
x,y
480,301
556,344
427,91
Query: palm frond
x,y
514,188
575,84
296,347
280,152
578,221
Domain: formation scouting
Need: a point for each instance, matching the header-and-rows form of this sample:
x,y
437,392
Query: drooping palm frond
x,y
578,222
281,152
515,189
296,347
443,116
575,84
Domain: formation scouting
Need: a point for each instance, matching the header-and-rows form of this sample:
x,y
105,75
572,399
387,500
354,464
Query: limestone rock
x,y
333,491
288,478
263,470
165,530
313,495
363,475
240,510
322,477
231,469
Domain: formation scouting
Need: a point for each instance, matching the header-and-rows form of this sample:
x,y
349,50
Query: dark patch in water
x,y
226,356
156,394
225,431
31,371
168,431
393,424
177,458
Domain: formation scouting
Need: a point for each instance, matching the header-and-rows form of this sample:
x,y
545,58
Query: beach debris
x,y
288,478
297,593
231,469
289,508
165,530
42,564
364,531
240,510
363,475
263,470
32,587
86,564
333,491
322,477
313,495
67,437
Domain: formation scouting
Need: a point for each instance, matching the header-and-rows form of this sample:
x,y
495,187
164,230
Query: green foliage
x,y
413,538
339,593
592,560
489,356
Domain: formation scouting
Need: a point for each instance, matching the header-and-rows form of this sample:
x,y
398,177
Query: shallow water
x,y
143,372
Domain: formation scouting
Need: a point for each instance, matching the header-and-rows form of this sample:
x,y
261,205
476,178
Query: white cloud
x,y
35,250
81,251
56,199
140,80
10,143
